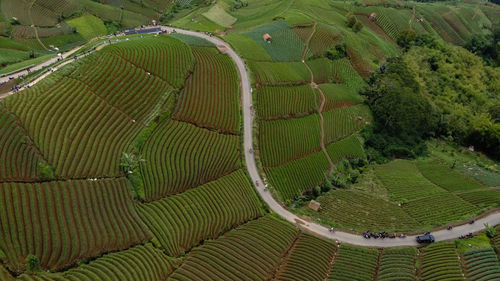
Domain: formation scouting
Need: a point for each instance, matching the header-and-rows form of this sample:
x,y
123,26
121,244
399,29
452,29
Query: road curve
x,y
343,237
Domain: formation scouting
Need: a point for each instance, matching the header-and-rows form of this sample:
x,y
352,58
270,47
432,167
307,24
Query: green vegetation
x,y
285,101
348,258
397,264
269,73
482,263
88,26
218,15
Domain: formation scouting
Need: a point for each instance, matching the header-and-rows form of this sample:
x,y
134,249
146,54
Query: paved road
x,y
344,237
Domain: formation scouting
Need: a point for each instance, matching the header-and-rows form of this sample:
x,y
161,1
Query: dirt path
x,y
34,27
314,86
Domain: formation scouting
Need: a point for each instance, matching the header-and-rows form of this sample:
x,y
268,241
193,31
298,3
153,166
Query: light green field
x,y
218,15
88,26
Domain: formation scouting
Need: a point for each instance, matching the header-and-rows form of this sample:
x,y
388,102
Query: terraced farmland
x,y
180,222
482,264
285,101
440,262
397,264
279,73
447,178
179,156
322,40
19,158
403,181
361,212
62,222
345,121
309,259
350,148
354,263
484,198
143,263
339,95
251,251
293,177
211,95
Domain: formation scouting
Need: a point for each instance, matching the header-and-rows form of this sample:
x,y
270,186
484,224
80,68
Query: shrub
x,y
46,171
357,26
351,19
33,263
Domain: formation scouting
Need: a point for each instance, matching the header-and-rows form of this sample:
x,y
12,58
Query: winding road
x,y
339,236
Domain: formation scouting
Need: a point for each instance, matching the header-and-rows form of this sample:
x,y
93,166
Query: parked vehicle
x,y
426,238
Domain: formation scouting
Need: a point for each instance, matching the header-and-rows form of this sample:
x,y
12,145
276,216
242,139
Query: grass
x,y
192,41
247,48
480,241
9,56
88,26
218,15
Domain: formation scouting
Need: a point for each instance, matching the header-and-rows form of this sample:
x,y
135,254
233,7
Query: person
x,y
257,183
471,222
449,227
331,229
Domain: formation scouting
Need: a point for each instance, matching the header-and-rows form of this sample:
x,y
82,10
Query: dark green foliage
x,y
406,38
403,117
46,171
33,263
486,46
351,19
337,52
357,26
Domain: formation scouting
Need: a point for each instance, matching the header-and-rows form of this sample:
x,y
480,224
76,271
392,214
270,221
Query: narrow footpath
x,y
339,236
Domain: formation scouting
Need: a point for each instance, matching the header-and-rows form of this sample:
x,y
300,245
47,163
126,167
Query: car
x,y
426,238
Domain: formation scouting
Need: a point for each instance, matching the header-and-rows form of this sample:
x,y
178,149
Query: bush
x,y
337,52
46,171
357,26
33,263
351,19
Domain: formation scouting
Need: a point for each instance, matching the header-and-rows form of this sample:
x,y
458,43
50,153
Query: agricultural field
x,y
440,261
342,122
309,259
397,264
63,222
339,95
354,263
277,102
210,98
482,263
88,26
279,73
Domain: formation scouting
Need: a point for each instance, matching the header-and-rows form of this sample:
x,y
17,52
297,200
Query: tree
x,y
357,26
490,230
351,19
406,38
33,263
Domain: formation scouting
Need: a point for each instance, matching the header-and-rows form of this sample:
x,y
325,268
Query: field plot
x,y
439,209
285,44
496,239
19,158
285,101
218,15
63,222
309,259
163,56
322,70
483,199
342,122
68,113
130,89
404,182
182,221
280,73
339,95
292,178
143,263
344,72
440,262
88,26
354,263
322,40
249,252
482,264
361,212
211,97
282,140
350,147
304,31
247,48
180,156
397,264
445,177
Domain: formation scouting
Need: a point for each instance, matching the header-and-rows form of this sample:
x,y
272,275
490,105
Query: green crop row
x,y
350,147
144,263
309,259
19,158
345,121
404,182
292,178
354,263
446,177
276,73
285,101
180,222
63,222
163,56
397,264
288,139
322,40
339,95
344,72
179,156
249,252
482,264
482,198
361,212
211,97
440,262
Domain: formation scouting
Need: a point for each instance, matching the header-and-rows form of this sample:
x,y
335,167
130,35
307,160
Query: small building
x,y
373,17
267,37
315,205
